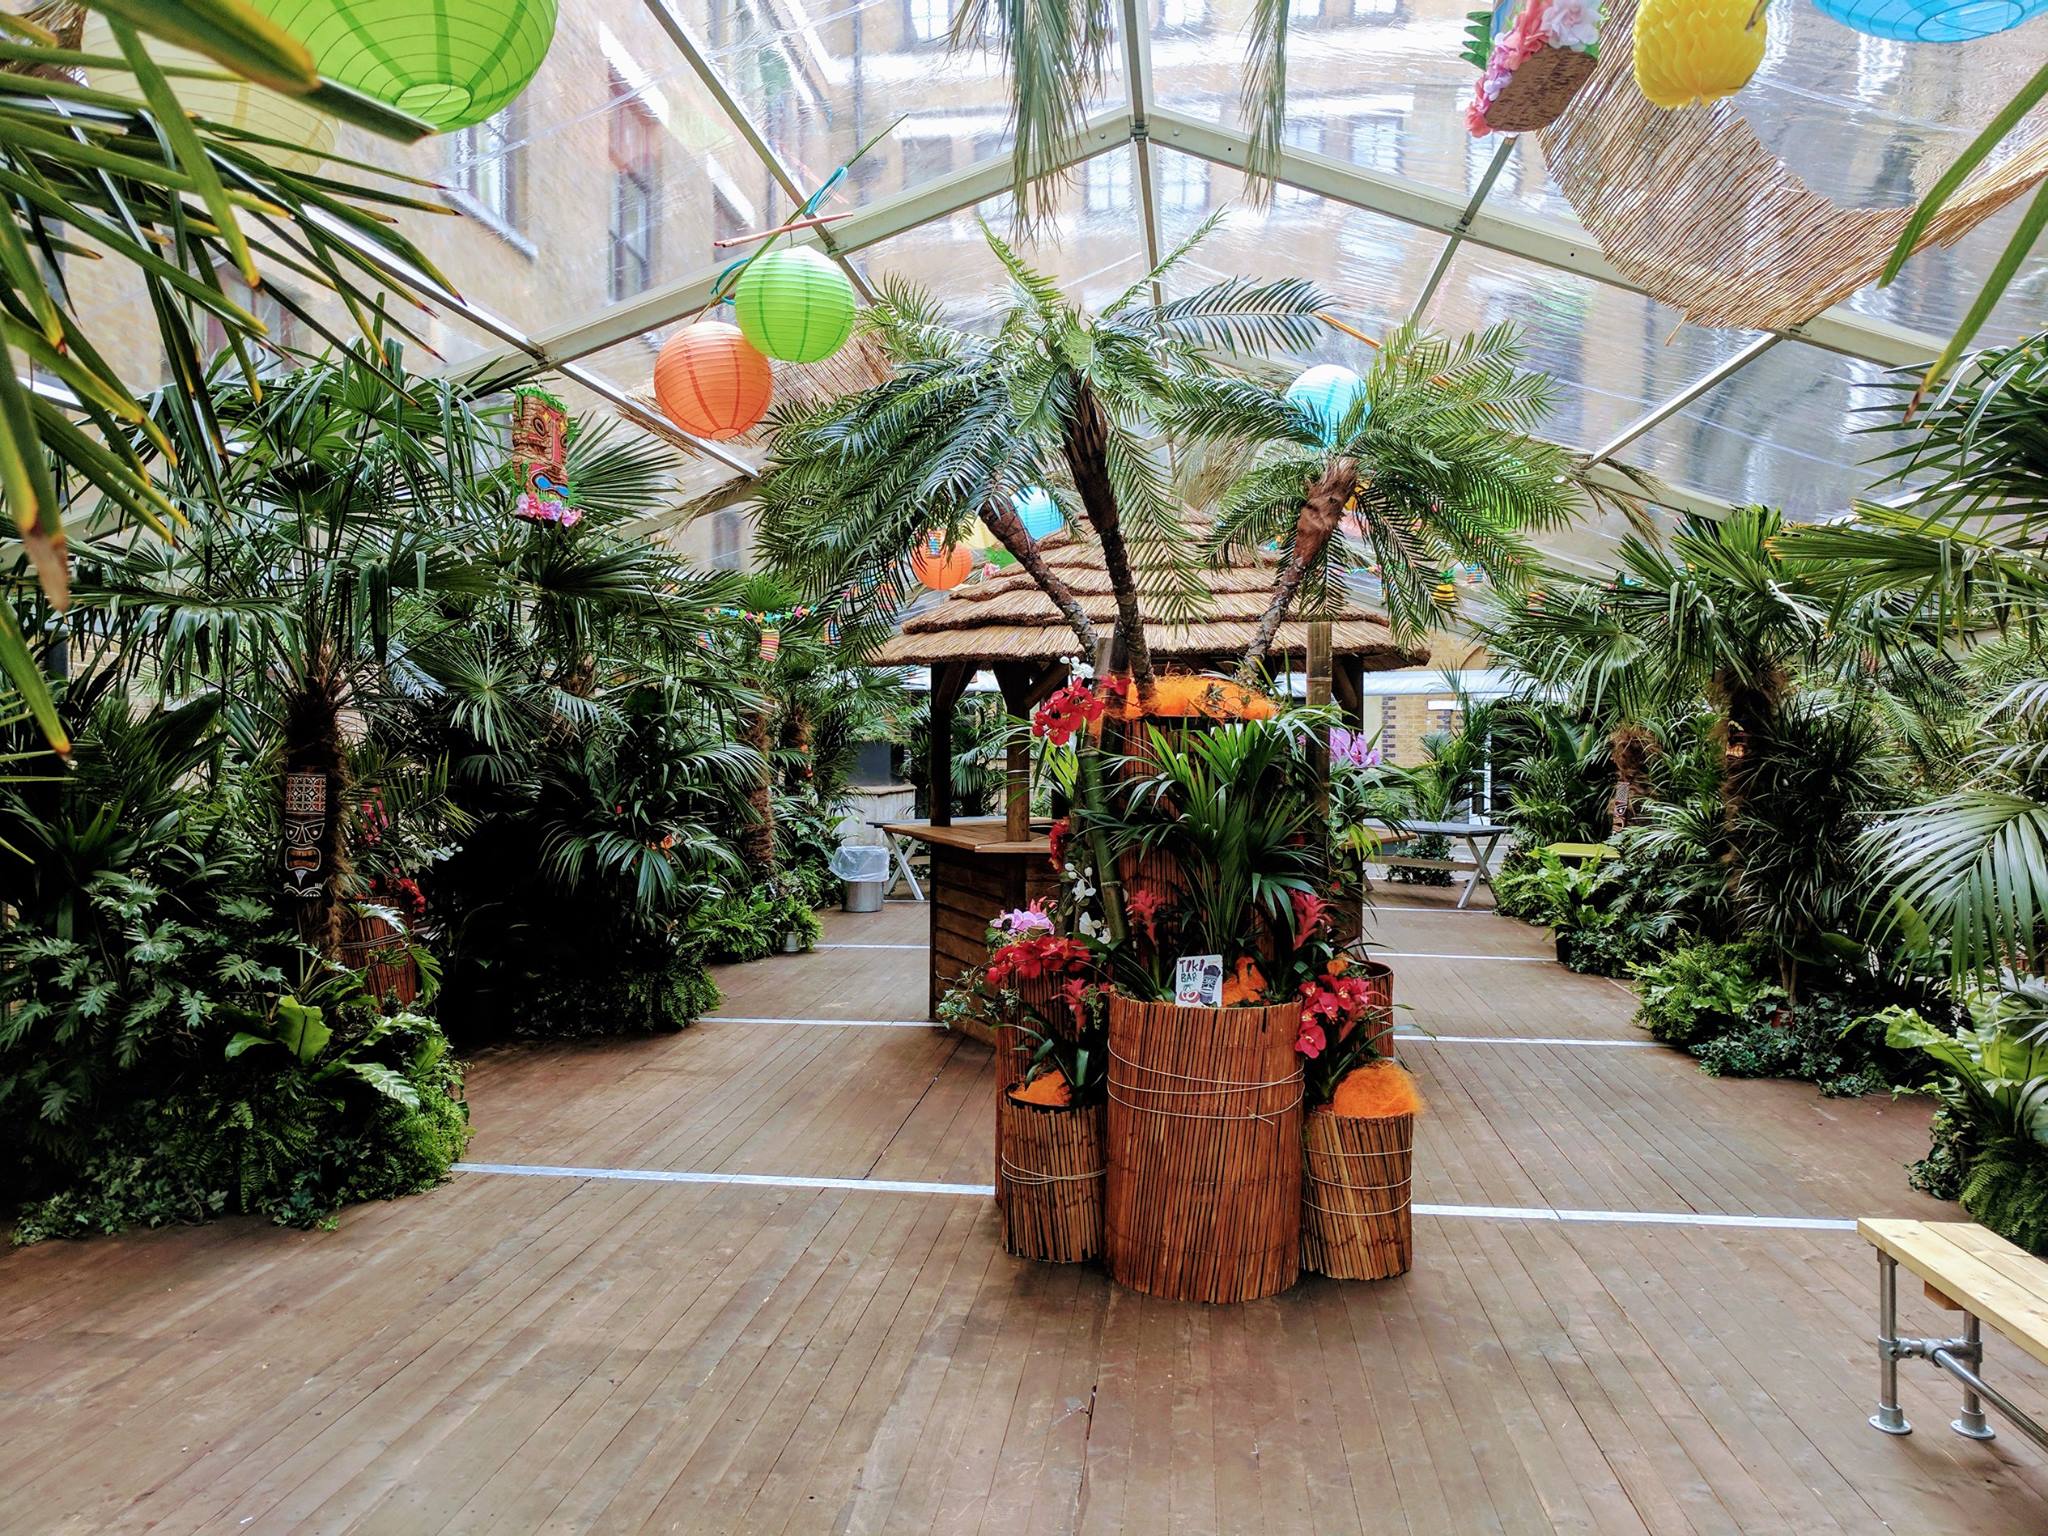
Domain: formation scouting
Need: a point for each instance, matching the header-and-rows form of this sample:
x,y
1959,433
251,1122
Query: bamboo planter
x,y
1203,1193
373,946
1379,989
1049,1177
1356,1222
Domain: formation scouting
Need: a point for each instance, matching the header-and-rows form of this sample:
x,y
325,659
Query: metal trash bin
x,y
863,870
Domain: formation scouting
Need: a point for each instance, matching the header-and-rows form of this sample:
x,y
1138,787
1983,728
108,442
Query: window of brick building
x,y
636,160
487,165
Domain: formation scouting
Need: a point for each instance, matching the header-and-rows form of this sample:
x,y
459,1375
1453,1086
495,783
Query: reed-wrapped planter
x,y
1049,1178
1358,1175
1014,1048
1203,1193
1379,991
371,945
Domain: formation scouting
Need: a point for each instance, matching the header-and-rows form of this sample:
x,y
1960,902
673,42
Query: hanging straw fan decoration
x,y
1696,211
1531,70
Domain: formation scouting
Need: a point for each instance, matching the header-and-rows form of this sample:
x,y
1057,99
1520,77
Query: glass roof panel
x,y
1372,267
1613,353
1375,82
822,82
1781,431
1093,246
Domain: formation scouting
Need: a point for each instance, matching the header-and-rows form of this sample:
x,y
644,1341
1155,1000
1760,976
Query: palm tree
x,y
1435,466
1050,397
1737,612
1961,542
197,211
360,546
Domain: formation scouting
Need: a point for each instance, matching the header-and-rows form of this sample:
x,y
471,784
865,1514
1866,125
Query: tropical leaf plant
x,y
1049,396
192,209
1437,465
2028,231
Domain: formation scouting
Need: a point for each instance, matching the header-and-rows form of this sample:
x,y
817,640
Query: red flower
x,y
1144,904
1067,712
1311,1040
1311,912
1335,1001
1046,954
1075,990
1056,835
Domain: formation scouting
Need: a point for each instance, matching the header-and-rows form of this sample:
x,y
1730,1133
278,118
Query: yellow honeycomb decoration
x,y
1691,51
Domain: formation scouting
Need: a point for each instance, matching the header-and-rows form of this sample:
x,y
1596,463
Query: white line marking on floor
x,y
763,1180
1633,1045
1406,954
983,1191
870,946
735,1018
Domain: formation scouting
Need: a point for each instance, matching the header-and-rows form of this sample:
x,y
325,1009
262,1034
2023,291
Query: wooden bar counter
x,y
978,870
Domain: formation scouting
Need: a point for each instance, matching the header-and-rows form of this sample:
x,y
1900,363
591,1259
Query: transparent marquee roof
x,y
655,129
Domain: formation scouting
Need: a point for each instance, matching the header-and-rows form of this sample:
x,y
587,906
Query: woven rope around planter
x,y
1203,1198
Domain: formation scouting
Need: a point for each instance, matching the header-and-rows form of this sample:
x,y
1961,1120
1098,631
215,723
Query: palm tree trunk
x,y
1629,748
757,840
1321,511
313,745
1086,446
1004,523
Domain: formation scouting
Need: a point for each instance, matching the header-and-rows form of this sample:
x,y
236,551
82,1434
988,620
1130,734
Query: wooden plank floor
x,y
564,1354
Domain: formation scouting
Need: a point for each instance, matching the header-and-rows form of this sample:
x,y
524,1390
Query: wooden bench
x,y
1963,1268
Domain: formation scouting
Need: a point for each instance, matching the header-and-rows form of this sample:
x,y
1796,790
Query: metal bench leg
x,y
1972,1424
1889,1416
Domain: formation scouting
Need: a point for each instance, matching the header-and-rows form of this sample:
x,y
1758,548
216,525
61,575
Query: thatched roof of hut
x,y
1004,617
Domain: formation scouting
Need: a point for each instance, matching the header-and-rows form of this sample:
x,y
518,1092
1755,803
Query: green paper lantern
x,y
795,304
450,62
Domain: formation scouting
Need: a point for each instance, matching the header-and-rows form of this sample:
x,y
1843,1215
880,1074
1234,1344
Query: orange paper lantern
x,y
711,382
940,565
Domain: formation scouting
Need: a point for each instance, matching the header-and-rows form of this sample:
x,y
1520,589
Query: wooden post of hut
x,y
985,865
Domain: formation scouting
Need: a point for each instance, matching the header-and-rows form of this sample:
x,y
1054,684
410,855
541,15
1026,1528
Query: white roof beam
x,y
878,221
1138,71
1494,167
1663,410
1548,242
687,45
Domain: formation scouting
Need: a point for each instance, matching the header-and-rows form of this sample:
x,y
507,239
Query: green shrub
x,y
747,925
1700,991
373,1112
1942,1171
1822,1040
2007,1190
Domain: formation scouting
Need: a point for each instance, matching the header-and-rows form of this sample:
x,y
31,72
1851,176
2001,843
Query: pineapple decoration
x,y
1690,51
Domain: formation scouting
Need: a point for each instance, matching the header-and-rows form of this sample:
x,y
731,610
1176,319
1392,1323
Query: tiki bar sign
x,y
305,832
540,447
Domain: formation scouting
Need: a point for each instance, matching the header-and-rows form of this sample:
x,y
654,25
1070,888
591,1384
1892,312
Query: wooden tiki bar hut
x,y
1004,623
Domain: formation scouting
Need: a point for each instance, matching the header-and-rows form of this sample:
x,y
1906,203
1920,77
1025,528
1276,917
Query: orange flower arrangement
x,y
1247,988
1189,695
1049,1090
1376,1090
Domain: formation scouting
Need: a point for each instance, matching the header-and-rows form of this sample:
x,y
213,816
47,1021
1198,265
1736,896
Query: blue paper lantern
x,y
1931,21
1038,512
1327,392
